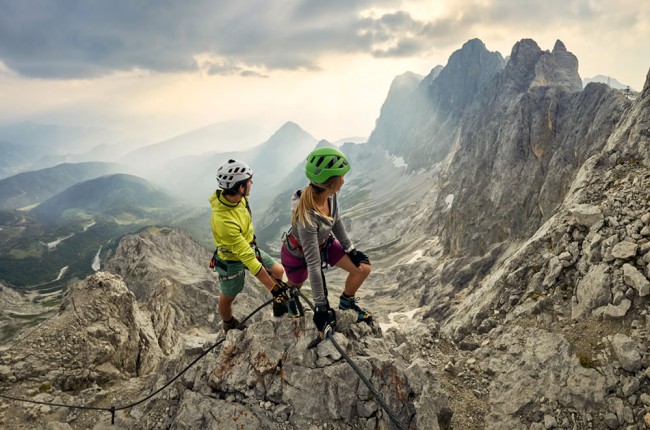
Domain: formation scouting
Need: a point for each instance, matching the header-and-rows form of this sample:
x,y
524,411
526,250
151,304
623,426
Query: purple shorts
x,y
296,267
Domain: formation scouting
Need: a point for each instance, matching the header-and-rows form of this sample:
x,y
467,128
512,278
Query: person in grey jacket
x,y
318,238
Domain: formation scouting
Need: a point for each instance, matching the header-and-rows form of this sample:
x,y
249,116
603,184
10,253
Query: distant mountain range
x,y
60,238
27,188
605,80
194,176
209,139
30,146
123,197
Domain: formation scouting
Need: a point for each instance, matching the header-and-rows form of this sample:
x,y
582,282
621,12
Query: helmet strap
x,y
318,188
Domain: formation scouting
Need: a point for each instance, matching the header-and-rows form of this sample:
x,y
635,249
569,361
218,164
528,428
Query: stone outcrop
x,y
99,335
168,263
266,374
105,348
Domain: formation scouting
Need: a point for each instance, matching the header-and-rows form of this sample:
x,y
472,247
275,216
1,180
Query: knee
x,y
278,271
366,269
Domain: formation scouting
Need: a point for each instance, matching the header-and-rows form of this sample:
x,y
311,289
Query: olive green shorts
x,y
232,278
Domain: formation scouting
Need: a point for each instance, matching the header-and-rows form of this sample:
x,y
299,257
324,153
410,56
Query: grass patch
x,y
585,360
154,229
45,388
537,296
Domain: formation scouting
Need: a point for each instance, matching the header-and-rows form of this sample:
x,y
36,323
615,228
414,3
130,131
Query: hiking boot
x,y
233,324
350,304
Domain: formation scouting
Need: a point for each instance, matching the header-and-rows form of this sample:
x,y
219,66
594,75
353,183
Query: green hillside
x,y
27,188
45,247
124,198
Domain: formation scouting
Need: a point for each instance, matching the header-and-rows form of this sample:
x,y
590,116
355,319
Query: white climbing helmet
x,y
233,172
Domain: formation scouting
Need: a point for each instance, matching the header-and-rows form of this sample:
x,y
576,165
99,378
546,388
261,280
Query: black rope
x,y
393,416
22,336
203,354
113,409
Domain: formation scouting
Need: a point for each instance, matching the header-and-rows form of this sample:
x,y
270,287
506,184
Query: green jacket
x,y
232,228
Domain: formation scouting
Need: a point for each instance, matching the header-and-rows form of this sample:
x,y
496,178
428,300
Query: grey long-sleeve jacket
x,y
311,237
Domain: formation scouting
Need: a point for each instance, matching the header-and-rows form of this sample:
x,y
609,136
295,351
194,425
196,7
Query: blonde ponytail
x,y
307,202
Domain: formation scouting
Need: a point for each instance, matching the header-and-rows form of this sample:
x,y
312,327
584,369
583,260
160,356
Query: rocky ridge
x,y
524,307
107,348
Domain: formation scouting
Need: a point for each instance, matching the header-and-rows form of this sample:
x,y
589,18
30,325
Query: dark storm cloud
x,y
89,38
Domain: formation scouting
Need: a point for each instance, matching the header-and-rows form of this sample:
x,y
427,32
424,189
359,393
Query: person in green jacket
x,y
233,232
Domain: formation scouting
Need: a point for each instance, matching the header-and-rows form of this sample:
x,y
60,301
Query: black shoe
x,y
233,324
279,309
293,308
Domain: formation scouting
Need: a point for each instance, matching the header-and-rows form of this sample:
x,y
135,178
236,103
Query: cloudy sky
x,y
164,67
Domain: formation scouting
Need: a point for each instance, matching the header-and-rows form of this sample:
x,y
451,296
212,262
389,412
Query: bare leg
x,y
356,275
277,271
225,307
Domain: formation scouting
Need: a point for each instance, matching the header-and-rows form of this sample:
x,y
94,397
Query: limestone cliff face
x,y
540,272
423,130
482,125
530,246
168,266
99,335
518,148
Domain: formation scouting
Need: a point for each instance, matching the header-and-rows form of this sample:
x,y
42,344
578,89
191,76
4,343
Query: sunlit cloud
x,y
326,65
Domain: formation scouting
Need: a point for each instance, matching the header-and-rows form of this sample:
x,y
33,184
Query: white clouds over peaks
x,y
90,38
167,66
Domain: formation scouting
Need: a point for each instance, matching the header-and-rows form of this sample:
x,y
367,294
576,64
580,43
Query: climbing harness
x,y
221,267
293,245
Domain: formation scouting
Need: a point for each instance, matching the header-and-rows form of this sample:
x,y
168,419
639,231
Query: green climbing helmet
x,y
323,163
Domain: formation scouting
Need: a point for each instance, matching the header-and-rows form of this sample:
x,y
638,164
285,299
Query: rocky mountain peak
x,y
529,67
405,82
288,133
98,335
559,46
466,72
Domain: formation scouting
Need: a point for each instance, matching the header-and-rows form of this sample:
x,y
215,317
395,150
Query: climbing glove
x,y
325,320
280,293
357,257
